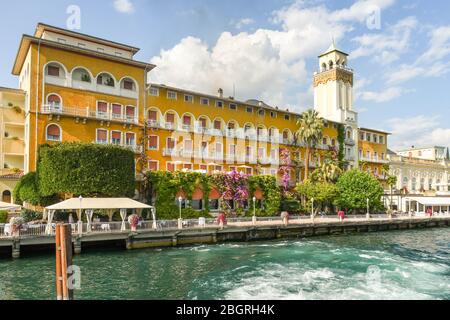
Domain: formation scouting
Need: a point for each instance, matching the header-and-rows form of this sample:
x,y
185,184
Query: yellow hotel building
x,y
82,88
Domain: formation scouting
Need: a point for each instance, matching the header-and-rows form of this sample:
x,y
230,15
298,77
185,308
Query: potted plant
x,y
16,223
133,220
85,78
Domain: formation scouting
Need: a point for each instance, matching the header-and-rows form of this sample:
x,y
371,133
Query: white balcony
x,y
169,152
107,89
80,112
129,93
82,85
374,160
57,81
153,123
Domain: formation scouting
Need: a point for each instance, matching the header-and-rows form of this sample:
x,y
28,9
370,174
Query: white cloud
x,y
243,22
419,130
432,63
382,96
385,48
124,6
265,64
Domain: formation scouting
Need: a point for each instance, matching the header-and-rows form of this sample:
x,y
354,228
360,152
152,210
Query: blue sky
x,y
268,50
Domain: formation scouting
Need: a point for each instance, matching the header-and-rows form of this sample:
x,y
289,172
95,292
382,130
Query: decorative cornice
x,y
333,75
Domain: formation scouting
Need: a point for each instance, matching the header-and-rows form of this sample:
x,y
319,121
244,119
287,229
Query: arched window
x,y
405,181
6,196
413,187
54,100
53,133
324,66
105,79
128,84
81,75
331,64
55,70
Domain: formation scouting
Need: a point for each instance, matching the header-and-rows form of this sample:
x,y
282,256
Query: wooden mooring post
x,y
63,240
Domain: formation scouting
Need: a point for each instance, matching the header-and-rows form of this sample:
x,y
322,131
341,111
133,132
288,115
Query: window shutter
x,y
170,143
151,115
116,135
217,124
101,135
153,142
116,109
53,71
170,117
187,120
153,165
53,99
102,107
130,136
130,111
53,130
170,167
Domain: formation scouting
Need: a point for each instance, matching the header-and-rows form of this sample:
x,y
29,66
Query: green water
x,y
391,265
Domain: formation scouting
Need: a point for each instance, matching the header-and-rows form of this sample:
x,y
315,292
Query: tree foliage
x,y
355,187
271,193
323,193
86,169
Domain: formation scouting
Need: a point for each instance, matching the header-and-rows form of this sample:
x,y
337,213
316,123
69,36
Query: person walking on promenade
x,y
341,215
285,218
430,212
222,220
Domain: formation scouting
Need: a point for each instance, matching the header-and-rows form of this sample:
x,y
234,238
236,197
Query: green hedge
x,y
86,169
29,215
27,190
3,216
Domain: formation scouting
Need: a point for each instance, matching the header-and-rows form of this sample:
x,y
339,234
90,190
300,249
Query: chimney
x,y
220,93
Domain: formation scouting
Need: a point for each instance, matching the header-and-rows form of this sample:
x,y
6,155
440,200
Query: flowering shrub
x,y
17,221
133,220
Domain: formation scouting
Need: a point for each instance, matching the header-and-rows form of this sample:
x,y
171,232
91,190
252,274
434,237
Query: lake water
x,y
388,265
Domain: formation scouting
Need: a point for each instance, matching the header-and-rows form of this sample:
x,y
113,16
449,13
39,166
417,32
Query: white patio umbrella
x,y
123,215
89,214
50,215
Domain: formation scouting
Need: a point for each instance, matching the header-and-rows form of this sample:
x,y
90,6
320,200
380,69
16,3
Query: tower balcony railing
x,y
86,113
349,142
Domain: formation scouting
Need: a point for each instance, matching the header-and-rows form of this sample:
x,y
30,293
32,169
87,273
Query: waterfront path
x,y
200,231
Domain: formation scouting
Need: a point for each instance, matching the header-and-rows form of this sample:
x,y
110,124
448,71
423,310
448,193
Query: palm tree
x,y
310,131
329,170
391,181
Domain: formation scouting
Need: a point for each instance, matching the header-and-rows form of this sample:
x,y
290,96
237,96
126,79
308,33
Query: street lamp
x,y
80,221
254,210
312,209
368,209
180,220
